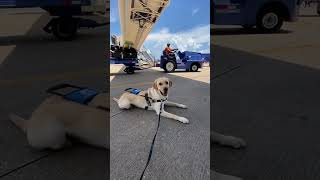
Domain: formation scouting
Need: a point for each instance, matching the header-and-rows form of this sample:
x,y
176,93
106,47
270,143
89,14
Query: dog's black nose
x,y
165,89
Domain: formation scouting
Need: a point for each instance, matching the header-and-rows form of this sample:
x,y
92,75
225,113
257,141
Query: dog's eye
x,y
167,82
160,84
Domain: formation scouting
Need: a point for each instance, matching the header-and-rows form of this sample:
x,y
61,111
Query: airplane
x,y
137,18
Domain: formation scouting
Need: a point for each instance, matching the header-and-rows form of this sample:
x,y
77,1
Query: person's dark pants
x,y
170,56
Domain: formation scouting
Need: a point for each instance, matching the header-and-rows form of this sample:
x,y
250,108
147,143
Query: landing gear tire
x,y
194,68
269,20
170,66
65,28
129,70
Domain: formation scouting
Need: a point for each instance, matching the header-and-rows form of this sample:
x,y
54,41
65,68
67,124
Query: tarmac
x,y
30,62
181,151
266,90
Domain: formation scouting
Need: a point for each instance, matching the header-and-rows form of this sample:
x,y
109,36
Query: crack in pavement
x,y
225,72
24,165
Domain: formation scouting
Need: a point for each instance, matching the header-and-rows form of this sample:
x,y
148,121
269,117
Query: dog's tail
x,y
19,122
115,99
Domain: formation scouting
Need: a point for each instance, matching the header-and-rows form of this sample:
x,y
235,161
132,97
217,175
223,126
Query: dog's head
x,y
162,85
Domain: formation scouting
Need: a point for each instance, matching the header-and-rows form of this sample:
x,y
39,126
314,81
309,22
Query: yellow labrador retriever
x,y
153,99
55,118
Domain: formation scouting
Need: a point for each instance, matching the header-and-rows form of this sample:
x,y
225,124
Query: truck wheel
x,y
269,20
65,28
194,67
169,66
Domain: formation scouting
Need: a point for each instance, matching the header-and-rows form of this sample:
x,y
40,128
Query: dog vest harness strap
x,y
150,100
83,96
77,94
133,91
146,97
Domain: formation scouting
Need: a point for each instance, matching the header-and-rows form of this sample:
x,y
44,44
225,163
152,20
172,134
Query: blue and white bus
x,y
266,15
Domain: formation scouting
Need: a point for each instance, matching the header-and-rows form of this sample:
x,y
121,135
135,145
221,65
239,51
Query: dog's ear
x,y
155,86
170,83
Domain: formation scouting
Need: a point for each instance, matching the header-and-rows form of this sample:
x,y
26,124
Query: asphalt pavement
x,y
266,90
181,151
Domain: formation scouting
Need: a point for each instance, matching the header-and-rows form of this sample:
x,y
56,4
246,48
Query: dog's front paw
x,y
235,142
183,106
184,120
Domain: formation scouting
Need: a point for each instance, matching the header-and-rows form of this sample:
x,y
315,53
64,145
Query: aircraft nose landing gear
x,y
129,70
66,27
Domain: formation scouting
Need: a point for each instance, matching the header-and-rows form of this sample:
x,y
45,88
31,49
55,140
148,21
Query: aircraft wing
x,y
137,17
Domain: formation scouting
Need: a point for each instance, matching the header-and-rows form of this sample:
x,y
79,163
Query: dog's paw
x,y
235,142
183,106
184,120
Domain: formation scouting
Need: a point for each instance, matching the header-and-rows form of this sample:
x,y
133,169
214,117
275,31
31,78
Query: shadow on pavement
x,y
36,35
274,106
241,31
41,39
318,16
32,67
181,151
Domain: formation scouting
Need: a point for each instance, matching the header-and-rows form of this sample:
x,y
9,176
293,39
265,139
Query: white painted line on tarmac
x,y
5,51
114,69
10,27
